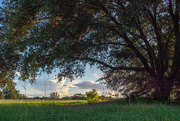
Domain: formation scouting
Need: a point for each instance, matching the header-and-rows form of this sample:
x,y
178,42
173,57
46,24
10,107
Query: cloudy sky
x,y
45,84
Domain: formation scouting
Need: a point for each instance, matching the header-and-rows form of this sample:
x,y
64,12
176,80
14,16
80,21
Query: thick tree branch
x,y
139,55
130,44
120,4
160,63
149,49
175,17
109,66
170,9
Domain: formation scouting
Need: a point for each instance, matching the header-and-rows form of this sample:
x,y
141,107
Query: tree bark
x,y
162,89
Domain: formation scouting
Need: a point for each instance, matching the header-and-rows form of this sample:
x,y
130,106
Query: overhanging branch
x,y
111,67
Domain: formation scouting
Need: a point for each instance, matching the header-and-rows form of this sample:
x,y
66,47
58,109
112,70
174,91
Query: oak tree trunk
x,y
162,89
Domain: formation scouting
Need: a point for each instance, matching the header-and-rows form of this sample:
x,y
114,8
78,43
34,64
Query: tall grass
x,y
46,110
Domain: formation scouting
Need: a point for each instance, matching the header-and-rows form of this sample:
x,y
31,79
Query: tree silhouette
x,y
54,95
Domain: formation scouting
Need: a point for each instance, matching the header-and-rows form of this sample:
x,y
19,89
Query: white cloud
x,y
16,81
42,87
67,86
99,75
51,85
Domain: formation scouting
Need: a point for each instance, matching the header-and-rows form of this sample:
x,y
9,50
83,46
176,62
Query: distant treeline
x,y
9,94
76,96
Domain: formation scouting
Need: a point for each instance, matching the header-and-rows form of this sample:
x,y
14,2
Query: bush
x,y
92,96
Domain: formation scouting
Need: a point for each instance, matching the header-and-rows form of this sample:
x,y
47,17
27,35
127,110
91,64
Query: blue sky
x,y
45,84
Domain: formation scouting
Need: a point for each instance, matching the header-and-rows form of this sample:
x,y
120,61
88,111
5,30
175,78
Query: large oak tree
x,y
115,35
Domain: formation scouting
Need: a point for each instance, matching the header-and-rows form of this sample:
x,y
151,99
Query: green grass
x,y
50,110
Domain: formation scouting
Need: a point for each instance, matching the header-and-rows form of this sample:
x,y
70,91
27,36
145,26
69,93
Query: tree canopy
x,y
116,36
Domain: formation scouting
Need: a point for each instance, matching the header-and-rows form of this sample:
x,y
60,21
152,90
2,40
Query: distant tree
x,y
102,97
36,97
106,98
66,98
44,97
10,91
78,96
54,95
92,96
23,96
12,94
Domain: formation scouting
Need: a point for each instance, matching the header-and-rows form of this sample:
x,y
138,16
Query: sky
x,y
45,84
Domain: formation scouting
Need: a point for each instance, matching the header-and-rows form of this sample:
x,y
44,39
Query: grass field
x,y
55,110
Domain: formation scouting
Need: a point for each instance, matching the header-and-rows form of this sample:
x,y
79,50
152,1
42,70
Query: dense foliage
x,y
92,96
8,91
76,96
134,42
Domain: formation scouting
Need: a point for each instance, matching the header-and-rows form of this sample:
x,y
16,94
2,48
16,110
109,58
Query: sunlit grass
x,y
75,110
42,101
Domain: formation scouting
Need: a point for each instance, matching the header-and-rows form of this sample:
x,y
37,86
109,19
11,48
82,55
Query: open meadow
x,y
79,110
